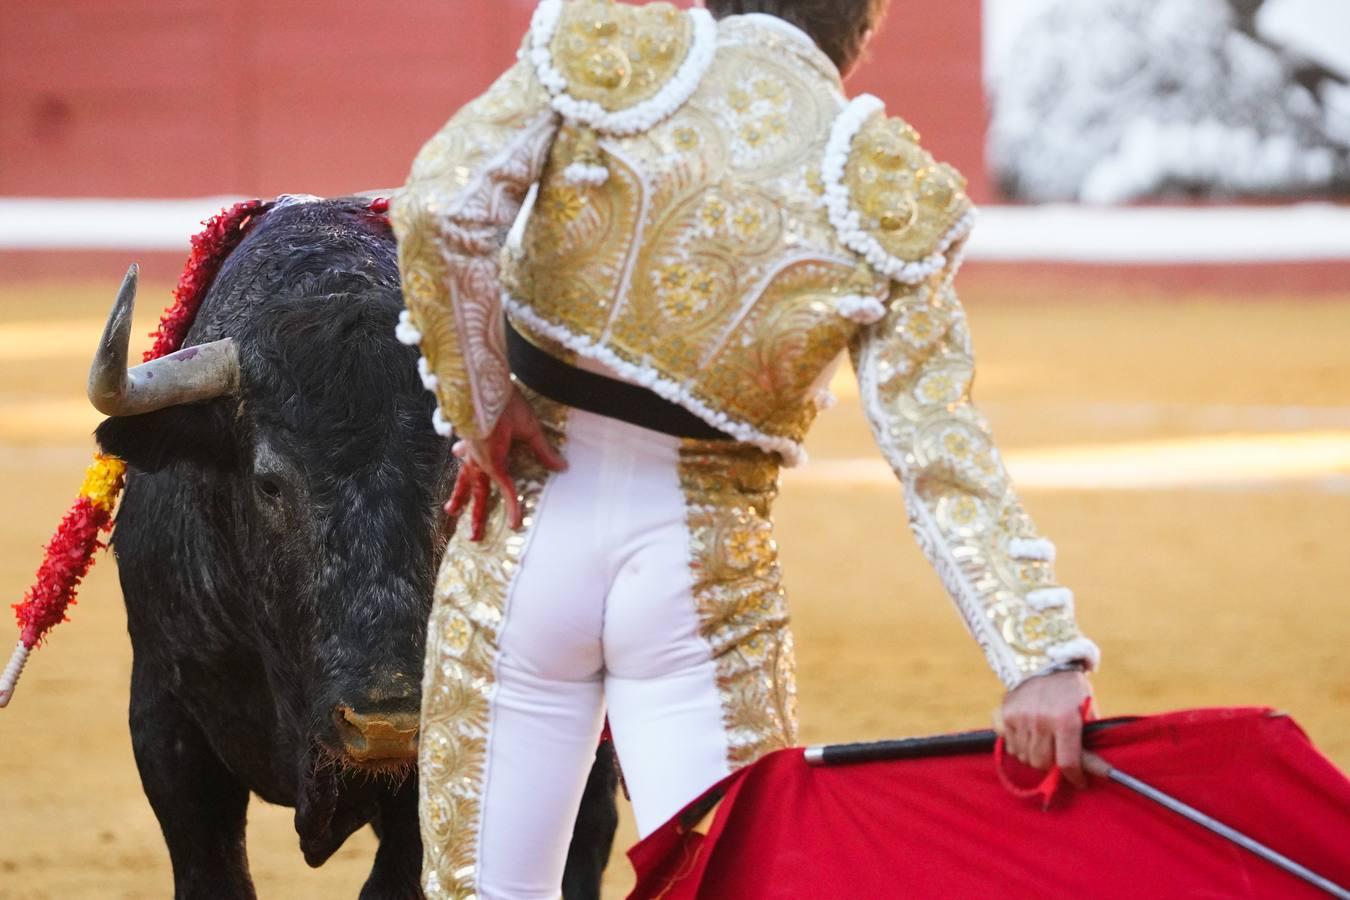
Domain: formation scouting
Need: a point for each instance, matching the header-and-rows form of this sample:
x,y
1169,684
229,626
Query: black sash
x,y
603,396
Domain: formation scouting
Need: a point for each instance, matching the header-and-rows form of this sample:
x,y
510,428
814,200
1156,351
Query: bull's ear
x,y
196,433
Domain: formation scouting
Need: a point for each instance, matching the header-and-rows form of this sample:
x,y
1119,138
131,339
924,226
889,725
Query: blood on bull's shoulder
x,y
277,546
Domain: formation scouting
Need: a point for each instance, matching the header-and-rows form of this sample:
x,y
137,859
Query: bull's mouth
x,y
391,769
339,794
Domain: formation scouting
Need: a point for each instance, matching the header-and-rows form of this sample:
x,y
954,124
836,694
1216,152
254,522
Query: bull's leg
x,y
200,806
398,863
593,834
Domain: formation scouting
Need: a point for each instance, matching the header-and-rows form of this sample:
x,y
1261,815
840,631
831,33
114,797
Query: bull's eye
x,y
269,488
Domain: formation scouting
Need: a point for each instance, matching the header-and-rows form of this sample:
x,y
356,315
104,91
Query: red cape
x,y
945,827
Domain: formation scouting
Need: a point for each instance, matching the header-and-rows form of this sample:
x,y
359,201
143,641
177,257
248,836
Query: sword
x,y
971,742
1102,769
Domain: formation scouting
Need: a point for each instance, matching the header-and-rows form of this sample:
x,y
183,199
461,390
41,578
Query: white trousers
x,y
605,608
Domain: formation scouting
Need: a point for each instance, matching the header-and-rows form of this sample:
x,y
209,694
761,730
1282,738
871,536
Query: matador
x,y
712,224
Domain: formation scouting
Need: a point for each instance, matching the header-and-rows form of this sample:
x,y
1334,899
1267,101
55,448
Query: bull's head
x,y
305,438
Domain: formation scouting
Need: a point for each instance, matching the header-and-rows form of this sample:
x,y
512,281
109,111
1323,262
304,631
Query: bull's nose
x,y
377,736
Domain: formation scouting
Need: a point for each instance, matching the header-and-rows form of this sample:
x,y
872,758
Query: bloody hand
x,y
471,484
486,461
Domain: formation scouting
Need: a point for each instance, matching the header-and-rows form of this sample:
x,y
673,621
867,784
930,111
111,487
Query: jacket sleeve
x,y
915,369
451,219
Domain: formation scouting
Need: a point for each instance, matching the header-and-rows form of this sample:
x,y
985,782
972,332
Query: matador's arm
x,y
915,369
451,219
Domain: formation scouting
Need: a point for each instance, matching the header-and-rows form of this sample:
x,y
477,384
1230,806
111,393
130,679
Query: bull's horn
x,y
193,373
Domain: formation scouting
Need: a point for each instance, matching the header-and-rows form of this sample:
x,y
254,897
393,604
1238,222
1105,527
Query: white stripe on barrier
x,y
1308,232
87,224
1163,235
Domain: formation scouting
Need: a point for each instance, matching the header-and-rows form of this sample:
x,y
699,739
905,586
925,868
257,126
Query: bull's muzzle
x,y
377,737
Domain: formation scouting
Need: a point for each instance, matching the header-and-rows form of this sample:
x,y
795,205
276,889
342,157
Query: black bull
x,y
277,545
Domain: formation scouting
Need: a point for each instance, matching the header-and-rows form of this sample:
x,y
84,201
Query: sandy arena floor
x,y
1191,457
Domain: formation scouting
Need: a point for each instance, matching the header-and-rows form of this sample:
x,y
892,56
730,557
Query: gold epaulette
x,y
616,68
888,199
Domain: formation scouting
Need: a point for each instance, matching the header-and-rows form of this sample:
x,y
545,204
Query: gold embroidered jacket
x,y
717,222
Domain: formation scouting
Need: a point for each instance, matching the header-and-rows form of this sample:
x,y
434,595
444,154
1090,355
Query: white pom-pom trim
x,y
429,379
791,452
1078,648
407,332
9,679
1043,599
860,308
636,119
1031,549
846,220
442,426
583,175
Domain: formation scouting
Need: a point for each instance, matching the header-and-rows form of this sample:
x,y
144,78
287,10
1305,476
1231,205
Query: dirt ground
x,y
1189,455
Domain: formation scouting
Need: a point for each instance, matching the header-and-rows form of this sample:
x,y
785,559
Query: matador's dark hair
x,y
839,27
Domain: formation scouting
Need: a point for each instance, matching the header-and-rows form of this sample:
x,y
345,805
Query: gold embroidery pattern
x,y
780,348
619,55
915,368
736,585
575,249
464,192
457,683
907,200
708,257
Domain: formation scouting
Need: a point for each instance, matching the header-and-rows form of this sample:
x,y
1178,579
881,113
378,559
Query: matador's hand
x,y
1042,723
486,462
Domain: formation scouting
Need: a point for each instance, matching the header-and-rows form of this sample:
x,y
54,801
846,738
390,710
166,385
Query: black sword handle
x,y
961,744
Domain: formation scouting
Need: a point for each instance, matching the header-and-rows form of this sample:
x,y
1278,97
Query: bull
x,y
276,544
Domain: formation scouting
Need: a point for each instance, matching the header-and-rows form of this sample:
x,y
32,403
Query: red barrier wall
x,y
167,98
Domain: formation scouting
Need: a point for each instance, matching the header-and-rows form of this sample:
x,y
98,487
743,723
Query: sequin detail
x,y
915,369
466,188
619,68
705,264
457,683
890,201
737,589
